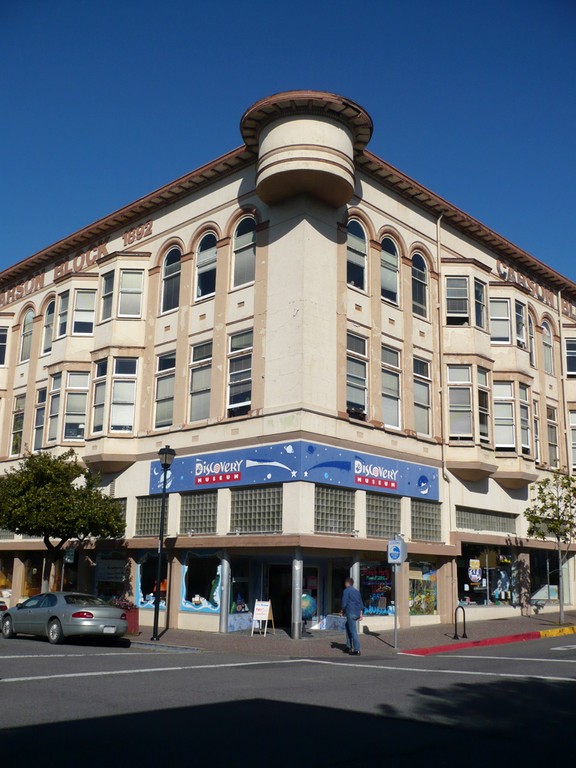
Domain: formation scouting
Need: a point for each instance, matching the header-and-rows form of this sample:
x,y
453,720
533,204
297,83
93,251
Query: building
x,y
336,354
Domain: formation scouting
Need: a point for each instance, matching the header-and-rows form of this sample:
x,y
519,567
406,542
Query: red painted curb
x,y
473,644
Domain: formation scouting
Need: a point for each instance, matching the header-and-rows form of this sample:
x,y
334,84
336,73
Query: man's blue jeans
x,y
352,639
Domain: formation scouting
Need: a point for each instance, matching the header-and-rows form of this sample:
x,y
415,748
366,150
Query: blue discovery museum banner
x,y
297,461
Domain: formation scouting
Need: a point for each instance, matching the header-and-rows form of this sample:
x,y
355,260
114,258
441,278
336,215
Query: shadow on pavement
x,y
476,724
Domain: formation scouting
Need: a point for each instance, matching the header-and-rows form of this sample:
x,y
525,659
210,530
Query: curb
x,y
504,640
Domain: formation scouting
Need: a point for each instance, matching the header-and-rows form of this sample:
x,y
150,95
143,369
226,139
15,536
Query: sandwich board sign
x,y
262,614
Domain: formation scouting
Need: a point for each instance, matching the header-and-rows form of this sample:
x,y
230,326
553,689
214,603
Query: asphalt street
x,y
95,705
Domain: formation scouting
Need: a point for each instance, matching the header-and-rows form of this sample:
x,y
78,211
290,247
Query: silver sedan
x,y
57,615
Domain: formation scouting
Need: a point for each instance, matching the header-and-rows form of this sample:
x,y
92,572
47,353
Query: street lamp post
x,y
166,456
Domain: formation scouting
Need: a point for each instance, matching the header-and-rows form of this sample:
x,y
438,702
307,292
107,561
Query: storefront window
x,y
340,572
147,574
201,583
487,576
423,588
112,575
33,574
376,588
240,588
6,569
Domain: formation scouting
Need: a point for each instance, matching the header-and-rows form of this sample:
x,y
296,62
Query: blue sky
x,y
105,101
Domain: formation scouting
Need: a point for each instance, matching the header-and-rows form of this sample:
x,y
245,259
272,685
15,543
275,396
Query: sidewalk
x,y
327,644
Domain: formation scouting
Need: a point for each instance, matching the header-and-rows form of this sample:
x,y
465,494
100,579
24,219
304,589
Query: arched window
x,y
206,266
389,270
547,348
171,280
356,255
48,327
531,341
244,252
26,342
419,286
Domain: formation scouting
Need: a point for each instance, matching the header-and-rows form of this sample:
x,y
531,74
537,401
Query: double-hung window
x,y
130,294
17,425
54,406
107,306
457,309
479,303
520,317
206,266
3,343
48,327
536,425
460,402
391,404
525,419
571,357
83,319
63,303
244,252
26,339
200,381
165,378
547,348
356,255
419,286
389,270
573,438
76,401
421,396
39,418
531,341
483,405
240,373
504,426
552,429
123,394
99,395
171,280
356,376
500,330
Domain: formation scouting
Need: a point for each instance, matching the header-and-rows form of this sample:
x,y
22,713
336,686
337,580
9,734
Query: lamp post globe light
x,y
166,456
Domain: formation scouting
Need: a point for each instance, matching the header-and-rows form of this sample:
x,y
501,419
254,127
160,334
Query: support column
x,y
174,596
402,573
355,569
17,579
224,591
297,573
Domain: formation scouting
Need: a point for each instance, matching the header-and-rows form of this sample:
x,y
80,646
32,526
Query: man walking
x,y
352,607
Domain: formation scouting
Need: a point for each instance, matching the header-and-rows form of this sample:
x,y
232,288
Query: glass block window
x,y
382,515
198,512
256,510
426,520
485,520
148,515
122,505
333,510
4,534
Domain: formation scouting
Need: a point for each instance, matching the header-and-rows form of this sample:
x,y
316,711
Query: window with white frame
x,y
484,404
244,252
421,396
547,348
48,334
552,430
573,438
16,445
479,303
171,280
520,317
200,381
165,378
63,303
571,358
460,402
356,255
500,329
54,406
525,418
457,309
391,408
130,293
107,300
84,311
3,343
206,266
39,418
26,337
99,395
356,376
389,270
531,341
240,373
76,402
123,394
536,425
419,286
504,426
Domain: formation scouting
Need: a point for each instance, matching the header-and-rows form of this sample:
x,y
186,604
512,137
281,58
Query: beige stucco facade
x,y
239,308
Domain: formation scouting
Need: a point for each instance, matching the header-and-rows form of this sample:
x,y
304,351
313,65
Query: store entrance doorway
x,y
280,594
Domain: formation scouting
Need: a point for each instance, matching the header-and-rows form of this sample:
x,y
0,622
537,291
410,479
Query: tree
x,y
553,513
56,499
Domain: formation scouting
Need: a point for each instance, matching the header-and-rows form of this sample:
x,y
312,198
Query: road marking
x,y
564,648
516,658
74,655
146,670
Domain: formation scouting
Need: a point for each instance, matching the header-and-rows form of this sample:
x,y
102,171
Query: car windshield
x,y
83,600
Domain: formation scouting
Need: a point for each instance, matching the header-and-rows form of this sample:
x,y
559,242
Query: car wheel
x,y
55,634
7,628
